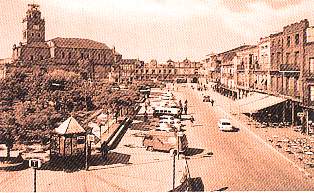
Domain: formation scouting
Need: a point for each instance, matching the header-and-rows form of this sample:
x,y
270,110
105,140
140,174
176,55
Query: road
x,y
240,161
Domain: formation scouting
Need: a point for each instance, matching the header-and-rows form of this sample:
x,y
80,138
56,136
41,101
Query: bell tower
x,y
34,25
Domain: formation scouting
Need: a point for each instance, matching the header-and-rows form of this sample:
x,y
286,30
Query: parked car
x,y
225,125
206,98
159,111
171,120
166,127
166,141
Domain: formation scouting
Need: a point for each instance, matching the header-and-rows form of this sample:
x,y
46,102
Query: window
x,y
31,57
311,65
153,71
312,93
82,55
159,71
169,71
38,35
297,39
278,57
69,56
32,34
62,55
296,57
288,41
80,139
41,57
165,71
98,56
287,58
36,27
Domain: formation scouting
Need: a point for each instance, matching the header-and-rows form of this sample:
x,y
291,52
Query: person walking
x,y
212,102
185,109
192,119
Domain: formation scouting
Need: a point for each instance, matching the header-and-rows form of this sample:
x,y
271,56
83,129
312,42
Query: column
x,y
292,113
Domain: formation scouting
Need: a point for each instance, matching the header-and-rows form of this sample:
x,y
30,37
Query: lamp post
x,y
174,169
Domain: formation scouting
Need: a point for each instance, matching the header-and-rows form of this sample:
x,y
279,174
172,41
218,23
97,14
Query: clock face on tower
x,y
36,27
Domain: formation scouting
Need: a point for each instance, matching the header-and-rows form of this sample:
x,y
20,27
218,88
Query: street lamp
x,y
174,169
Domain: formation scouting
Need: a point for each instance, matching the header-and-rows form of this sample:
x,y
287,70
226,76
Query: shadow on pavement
x,y
143,126
67,164
190,185
193,151
221,189
15,166
234,129
74,164
110,159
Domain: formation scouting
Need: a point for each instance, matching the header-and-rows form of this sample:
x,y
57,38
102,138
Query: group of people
x,y
183,108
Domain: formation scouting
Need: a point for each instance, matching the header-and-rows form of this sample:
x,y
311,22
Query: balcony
x,y
240,68
289,67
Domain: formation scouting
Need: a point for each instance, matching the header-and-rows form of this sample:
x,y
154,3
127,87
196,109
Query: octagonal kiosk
x,y
68,140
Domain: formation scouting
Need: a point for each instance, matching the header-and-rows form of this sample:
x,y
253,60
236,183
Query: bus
x,y
181,80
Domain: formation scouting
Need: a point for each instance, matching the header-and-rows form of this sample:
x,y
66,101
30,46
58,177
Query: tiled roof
x,y
37,45
70,126
78,43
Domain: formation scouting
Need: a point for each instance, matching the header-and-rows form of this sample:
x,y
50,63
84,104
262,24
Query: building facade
x,y
169,71
280,65
76,54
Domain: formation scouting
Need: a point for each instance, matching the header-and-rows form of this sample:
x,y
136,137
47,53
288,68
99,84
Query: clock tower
x,y
34,25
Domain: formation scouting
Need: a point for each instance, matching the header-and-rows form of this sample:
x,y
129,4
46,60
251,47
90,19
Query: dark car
x,y
206,98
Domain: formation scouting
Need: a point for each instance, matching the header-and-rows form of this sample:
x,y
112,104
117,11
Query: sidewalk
x,y
296,147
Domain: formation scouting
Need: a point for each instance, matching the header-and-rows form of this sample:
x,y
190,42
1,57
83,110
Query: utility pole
x,y
86,154
174,170
35,169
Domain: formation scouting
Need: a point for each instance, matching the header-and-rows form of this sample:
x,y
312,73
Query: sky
x,y
157,29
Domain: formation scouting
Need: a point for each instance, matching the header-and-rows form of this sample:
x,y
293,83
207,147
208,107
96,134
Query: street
x,y
232,161
240,162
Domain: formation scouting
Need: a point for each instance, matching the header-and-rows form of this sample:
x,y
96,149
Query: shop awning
x,y
260,104
251,98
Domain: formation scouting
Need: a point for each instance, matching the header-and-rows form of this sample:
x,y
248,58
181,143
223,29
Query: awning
x,y
251,98
260,104
70,126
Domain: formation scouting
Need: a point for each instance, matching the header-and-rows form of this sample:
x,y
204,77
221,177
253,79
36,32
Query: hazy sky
x,y
159,29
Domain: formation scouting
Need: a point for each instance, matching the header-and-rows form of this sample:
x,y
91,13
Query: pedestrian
x,y
186,102
180,103
185,109
181,111
212,102
192,119
145,116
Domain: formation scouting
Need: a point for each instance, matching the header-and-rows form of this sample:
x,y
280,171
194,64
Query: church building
x,y
59,52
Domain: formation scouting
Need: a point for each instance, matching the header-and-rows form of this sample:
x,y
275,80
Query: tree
x,y
8,131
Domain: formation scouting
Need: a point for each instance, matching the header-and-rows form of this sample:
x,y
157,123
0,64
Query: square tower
x,y
34,25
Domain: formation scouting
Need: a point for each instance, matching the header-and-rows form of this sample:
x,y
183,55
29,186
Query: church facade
x,y
67,53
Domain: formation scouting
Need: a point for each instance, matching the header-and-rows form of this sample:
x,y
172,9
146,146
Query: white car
x,y
166,127
172,121
225,125
169,117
